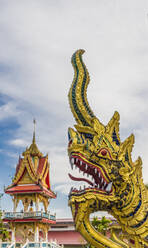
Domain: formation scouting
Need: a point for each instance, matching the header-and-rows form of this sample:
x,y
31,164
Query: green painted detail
x,y
100,139
78,139
87,145
108,143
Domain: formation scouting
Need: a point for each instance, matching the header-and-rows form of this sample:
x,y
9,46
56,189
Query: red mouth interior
x,y
80,179
98,181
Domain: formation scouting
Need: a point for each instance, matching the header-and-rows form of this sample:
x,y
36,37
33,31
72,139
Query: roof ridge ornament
x,y
33,140
33,149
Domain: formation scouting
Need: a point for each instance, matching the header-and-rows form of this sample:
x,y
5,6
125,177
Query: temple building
x,y
31,187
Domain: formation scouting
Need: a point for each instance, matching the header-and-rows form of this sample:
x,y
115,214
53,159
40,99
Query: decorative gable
x,y
25,179
32,170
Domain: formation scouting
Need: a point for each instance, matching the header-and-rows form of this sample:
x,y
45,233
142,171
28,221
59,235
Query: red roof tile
x,y
24,188
66,237
49,192
18,165
41,165
29,188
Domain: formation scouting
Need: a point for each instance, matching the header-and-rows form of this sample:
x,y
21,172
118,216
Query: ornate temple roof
x,y
32,173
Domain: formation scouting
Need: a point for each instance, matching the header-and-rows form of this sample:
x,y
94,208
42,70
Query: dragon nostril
x,y
104,152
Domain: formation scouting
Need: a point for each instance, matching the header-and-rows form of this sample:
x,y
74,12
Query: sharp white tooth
x,y
80,188
72,161
98,174
75,166
86,166
109,186
80,162
84,186
87,175
79,170
72,166
105,184
92,177
102,180
83,173
95,170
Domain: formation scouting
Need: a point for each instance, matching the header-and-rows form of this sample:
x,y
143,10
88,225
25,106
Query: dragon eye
x,y
104,152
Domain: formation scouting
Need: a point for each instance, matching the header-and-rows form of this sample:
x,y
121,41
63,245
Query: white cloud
x,y
8,110
8,153
18,142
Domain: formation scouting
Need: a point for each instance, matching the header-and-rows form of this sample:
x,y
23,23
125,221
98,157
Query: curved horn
x,y
77,93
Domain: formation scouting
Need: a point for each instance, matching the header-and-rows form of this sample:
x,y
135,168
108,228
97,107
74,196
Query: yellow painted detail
x,y
99,147
26,179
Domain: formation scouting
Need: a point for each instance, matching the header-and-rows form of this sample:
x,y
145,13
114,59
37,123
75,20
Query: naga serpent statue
x,y
114,181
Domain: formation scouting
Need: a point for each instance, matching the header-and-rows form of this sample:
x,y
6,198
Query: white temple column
x,y
14,204
13,234
46,236
37,204
36,234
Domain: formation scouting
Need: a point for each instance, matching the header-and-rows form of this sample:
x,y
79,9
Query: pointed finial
x,y
34,122
33,149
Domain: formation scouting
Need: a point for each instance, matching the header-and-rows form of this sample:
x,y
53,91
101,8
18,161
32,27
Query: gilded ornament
x,y
114,181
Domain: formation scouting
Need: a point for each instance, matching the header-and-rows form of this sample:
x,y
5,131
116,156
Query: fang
x,y
72,161
109,186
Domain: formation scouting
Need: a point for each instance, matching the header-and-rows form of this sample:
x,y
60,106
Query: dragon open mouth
x,y
91,174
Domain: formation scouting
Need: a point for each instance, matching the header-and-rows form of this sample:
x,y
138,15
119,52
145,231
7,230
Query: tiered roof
x,y
32,173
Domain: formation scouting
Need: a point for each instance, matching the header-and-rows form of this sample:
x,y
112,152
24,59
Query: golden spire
x,y
33,149
33,140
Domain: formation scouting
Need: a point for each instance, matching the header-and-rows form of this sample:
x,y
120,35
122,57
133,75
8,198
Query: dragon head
x,y
104,162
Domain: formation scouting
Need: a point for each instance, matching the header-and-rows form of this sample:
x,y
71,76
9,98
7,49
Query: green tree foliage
x,y
101,225
3,231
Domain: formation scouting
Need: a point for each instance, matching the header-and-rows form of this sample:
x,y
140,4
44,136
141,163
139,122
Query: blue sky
x,y
37,40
